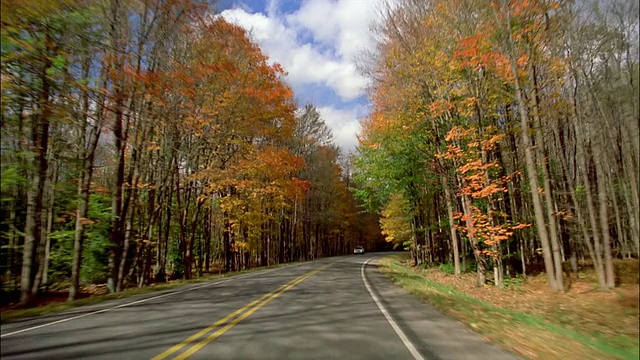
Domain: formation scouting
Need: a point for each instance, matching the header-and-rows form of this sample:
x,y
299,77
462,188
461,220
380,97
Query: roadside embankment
x,y
530,320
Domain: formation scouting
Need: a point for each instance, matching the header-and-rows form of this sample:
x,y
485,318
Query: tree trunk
x,y
84,192
542,162
581,153
634,227
116,203
33,224
226,238
532,176
498,270
522,259
48,219
11,258
125,252
208,236
189,246
164,227
452,225
622,236
115,63
480,261
604,223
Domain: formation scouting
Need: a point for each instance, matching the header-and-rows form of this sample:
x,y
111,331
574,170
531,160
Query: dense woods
x,y
146,140
504,136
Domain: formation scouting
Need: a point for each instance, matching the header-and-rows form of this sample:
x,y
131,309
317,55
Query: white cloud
x,y
317,45
341,24
305,63
344,124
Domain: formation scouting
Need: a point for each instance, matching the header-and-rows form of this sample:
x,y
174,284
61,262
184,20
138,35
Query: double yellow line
x,y
239,315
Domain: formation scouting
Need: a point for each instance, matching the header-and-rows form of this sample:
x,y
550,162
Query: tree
x,y
518,69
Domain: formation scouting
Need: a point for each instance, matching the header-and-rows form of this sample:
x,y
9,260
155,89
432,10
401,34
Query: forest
x,y
504,137
149,145
144,141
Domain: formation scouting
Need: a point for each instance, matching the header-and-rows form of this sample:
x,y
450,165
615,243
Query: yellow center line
x,y
273,294
195,348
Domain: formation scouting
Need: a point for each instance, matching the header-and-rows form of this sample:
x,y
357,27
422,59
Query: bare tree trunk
x,y
11,258
226,238
578,211
541,226
127,240
634,213
209,234
604,223
48,220
119,133
452,225
522,259
81,215
31,242
163,231
159,246
542,162
622,236
480,261
533,181
84,192
142,275
581,153
116,205
633,225
162,256
498,270
189,246
33,225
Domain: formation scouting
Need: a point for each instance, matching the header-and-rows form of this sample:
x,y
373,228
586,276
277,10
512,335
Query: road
x,y
336,308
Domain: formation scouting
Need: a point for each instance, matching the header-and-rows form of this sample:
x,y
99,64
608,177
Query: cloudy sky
x,y
318,43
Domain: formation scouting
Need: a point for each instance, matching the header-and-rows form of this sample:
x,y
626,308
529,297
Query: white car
x,y
358,250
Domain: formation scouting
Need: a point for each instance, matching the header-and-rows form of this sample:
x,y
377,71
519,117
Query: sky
x,y
318,43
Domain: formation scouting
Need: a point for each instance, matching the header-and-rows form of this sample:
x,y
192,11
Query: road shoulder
x,y
18,323
434,334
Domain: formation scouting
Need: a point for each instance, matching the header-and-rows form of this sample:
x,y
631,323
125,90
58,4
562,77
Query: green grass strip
x,y
625,348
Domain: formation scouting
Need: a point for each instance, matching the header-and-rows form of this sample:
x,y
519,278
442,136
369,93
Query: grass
x,y
528,319
14,313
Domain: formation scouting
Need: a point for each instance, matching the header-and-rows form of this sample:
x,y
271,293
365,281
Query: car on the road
x,y
358,250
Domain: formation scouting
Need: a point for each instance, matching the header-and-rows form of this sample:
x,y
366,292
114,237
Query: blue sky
x,y
317,42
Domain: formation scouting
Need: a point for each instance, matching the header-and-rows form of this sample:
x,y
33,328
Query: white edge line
x,y
405,340
145,300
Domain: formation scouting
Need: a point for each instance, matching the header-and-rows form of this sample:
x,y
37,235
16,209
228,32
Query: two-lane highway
x,y
337,308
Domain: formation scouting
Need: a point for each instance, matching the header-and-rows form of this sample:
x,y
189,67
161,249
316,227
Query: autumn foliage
x,y
147,140
494,121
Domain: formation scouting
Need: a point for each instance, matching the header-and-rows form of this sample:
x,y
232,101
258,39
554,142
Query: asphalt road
x,y
337,308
